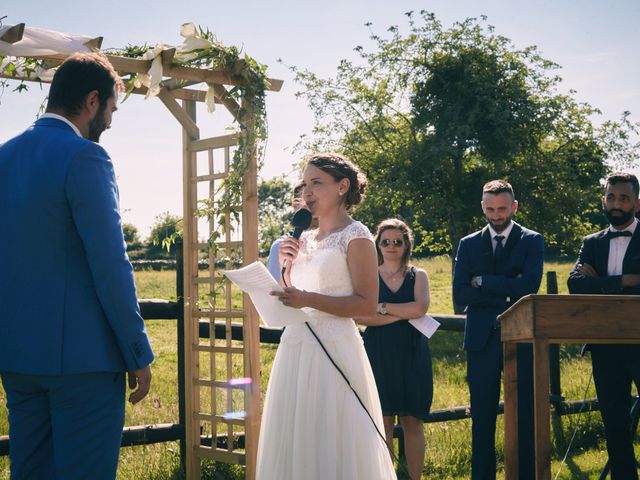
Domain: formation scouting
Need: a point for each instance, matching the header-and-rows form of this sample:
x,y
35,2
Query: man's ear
x,y
92,102
515,206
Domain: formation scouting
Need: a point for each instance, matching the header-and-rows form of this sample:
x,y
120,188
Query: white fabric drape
x,y
38,42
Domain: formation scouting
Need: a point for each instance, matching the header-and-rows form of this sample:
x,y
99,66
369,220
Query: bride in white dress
x,y
313,427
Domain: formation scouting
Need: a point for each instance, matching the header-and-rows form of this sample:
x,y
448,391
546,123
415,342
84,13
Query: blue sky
x,y
595,42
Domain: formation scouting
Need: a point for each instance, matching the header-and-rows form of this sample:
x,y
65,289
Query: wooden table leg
x,y
510,411
541,407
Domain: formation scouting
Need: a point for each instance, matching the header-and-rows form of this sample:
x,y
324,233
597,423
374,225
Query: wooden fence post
x,y
180,340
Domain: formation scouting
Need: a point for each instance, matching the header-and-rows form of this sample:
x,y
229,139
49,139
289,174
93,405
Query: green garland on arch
x,y
252,122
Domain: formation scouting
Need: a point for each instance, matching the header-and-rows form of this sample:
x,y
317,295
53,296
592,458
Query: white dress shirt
x,y
505,233
65,120
618,248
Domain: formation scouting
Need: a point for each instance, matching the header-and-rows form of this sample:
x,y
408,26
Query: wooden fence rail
x,y
165,310
155,309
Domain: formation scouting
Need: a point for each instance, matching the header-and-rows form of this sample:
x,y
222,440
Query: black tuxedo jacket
x,y
595,252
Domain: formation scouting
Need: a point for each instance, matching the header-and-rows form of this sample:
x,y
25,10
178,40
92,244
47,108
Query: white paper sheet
x,y
256,280
425,325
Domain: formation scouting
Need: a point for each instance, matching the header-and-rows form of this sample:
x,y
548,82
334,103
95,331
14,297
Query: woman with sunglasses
x,y
399,354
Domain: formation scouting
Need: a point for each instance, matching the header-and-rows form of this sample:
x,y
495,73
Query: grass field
x,y
448,444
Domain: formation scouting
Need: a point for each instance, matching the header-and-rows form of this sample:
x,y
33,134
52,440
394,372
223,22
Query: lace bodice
x,y
321,267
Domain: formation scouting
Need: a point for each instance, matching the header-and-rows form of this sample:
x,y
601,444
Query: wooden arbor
x,y
217,405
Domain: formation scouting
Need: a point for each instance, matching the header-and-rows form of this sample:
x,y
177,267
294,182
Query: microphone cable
x,y
575,430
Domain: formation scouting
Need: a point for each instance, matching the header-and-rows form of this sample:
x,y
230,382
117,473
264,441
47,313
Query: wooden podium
x,y
544,319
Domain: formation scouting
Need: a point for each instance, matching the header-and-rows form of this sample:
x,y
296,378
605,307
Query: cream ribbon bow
x,y
188,50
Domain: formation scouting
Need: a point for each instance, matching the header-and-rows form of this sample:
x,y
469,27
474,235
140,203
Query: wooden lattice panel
x,y
219,402
221,406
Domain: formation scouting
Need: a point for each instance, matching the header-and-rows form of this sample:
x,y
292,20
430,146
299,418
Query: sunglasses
x,y
397,242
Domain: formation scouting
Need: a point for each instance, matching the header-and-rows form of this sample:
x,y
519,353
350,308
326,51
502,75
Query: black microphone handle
x,y
301,221
297,232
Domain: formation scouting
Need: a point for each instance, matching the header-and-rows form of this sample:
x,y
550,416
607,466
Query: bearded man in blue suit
x,y
70,325
494,268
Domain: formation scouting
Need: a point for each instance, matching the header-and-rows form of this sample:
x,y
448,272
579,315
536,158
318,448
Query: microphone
x,y
301,221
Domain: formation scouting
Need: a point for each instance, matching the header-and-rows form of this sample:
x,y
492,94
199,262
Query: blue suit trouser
x,y
64,427
484,373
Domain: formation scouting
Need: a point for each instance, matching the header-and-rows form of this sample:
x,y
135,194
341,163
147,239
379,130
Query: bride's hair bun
x,y
339,167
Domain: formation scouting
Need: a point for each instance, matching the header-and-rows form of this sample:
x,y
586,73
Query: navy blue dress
x,y
400,358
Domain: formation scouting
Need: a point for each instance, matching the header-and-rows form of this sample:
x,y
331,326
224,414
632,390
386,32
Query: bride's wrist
x,y
308,298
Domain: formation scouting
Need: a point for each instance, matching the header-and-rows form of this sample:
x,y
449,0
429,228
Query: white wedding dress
x,y
313,427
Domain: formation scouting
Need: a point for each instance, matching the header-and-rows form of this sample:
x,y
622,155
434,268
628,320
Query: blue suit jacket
x,y
273,261
518,274
67,295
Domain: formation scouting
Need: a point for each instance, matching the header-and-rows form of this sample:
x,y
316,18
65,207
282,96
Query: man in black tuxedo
x,y
609,264
495,267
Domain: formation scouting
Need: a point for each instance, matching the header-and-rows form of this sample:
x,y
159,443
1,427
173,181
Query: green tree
x,y
161,243
130,232
432,114
135,248
274,200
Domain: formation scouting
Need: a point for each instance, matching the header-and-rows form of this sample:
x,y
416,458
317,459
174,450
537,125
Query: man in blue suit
x,y
495,267
70,326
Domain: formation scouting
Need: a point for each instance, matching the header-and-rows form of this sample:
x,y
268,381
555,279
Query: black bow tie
x,y
618,233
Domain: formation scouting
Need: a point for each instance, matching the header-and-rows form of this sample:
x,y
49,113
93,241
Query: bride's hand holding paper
x,y
256,280
292,297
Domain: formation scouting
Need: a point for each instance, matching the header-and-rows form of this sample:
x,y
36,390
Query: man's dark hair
x,y
496,187
79,75
621,177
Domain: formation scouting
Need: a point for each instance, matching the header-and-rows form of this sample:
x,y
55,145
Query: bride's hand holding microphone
x,y
288,252
290,296
291,244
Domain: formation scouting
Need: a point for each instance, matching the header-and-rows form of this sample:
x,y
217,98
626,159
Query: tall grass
x,y
448,444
